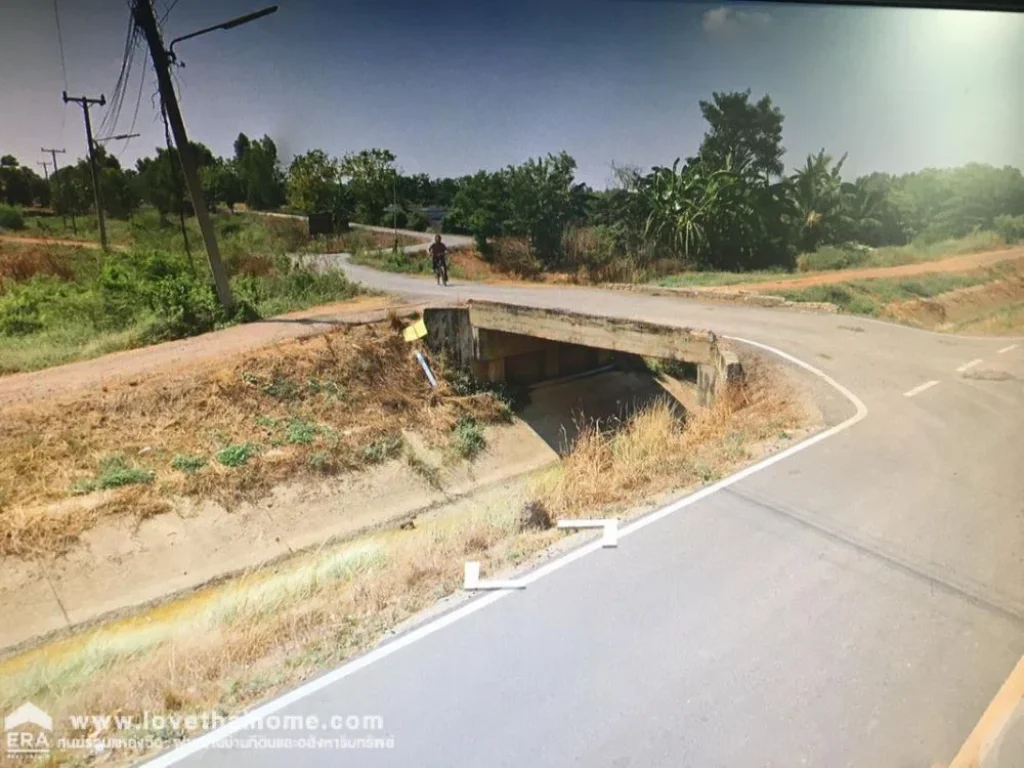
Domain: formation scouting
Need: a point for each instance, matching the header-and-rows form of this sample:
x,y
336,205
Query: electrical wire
x,y
63,67
177,180
113,114
60,43
168,11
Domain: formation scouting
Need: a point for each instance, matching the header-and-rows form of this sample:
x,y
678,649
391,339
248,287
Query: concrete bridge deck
x,y
508,342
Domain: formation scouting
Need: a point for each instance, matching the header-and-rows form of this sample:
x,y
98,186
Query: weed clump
x,y
468,438
114,472
185,463
236,455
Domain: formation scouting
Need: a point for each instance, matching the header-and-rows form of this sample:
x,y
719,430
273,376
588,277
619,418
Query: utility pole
x,y
86,103
46,169
143,12
56,181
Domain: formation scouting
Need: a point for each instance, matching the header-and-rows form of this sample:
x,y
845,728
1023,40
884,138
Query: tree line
x,y
730,206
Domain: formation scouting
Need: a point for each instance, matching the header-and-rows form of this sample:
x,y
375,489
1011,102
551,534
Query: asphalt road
x,y
856,603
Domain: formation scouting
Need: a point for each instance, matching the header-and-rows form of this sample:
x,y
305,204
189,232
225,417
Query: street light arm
x,y
231,24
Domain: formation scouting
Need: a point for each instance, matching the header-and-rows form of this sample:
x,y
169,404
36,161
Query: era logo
x,y
27,731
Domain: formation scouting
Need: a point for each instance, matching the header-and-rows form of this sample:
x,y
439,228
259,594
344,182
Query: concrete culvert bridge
x,y
526,345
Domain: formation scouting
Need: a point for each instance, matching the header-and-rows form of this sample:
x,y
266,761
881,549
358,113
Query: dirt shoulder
x,y
188,354
965,263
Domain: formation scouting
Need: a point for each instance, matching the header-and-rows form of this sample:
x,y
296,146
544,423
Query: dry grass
x,y
22,261
330,403
231,645
654,449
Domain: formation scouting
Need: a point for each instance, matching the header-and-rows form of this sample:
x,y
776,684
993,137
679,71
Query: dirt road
x,y
54,241
174,357
965,263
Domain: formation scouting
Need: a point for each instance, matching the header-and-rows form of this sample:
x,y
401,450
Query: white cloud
x,y
726,21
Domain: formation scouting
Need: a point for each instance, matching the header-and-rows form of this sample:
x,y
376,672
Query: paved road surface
x,y
857,603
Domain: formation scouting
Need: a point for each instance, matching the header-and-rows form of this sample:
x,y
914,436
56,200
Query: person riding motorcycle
x,y
439,258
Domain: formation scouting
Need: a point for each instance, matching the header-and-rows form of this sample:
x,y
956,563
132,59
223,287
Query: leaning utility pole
x,y
46,169
56,181
86,103
143,12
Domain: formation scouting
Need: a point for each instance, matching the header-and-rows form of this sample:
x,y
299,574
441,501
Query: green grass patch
x,y
867,297
301,432
237,455
58,310
712,279
849,257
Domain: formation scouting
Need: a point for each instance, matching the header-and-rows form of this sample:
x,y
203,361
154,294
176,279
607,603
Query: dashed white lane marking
x,y
1004,350
920,388
968,366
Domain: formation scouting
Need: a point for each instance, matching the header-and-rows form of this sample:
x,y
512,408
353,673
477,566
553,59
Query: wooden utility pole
x,y
143,13
46,169
86,103
56,181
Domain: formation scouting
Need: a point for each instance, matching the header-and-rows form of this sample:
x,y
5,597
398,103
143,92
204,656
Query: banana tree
x,y
682,201
815,200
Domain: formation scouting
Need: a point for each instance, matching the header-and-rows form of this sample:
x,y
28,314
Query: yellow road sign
x,y
415,331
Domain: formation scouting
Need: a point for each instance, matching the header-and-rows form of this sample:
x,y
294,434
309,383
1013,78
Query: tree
x,y
20,185
479,207
258,168
370,175
161,180
543,200
221,183
313,179
749,133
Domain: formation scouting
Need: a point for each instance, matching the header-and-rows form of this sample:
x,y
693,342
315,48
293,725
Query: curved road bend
x,y
857,603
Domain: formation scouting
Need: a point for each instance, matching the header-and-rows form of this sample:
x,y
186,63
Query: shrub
x,y
183,307
10,217
514,255
236,455
592,249
1010,228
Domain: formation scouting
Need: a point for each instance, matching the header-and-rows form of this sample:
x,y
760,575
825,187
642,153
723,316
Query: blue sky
x,y
452,87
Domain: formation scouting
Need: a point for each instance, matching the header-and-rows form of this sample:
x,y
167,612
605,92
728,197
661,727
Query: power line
x,y
168,12
109,124
60,43
138,101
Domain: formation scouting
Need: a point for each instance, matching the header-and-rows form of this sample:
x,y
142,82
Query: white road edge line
x,y
920,388
382,652
1004,350
968,366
